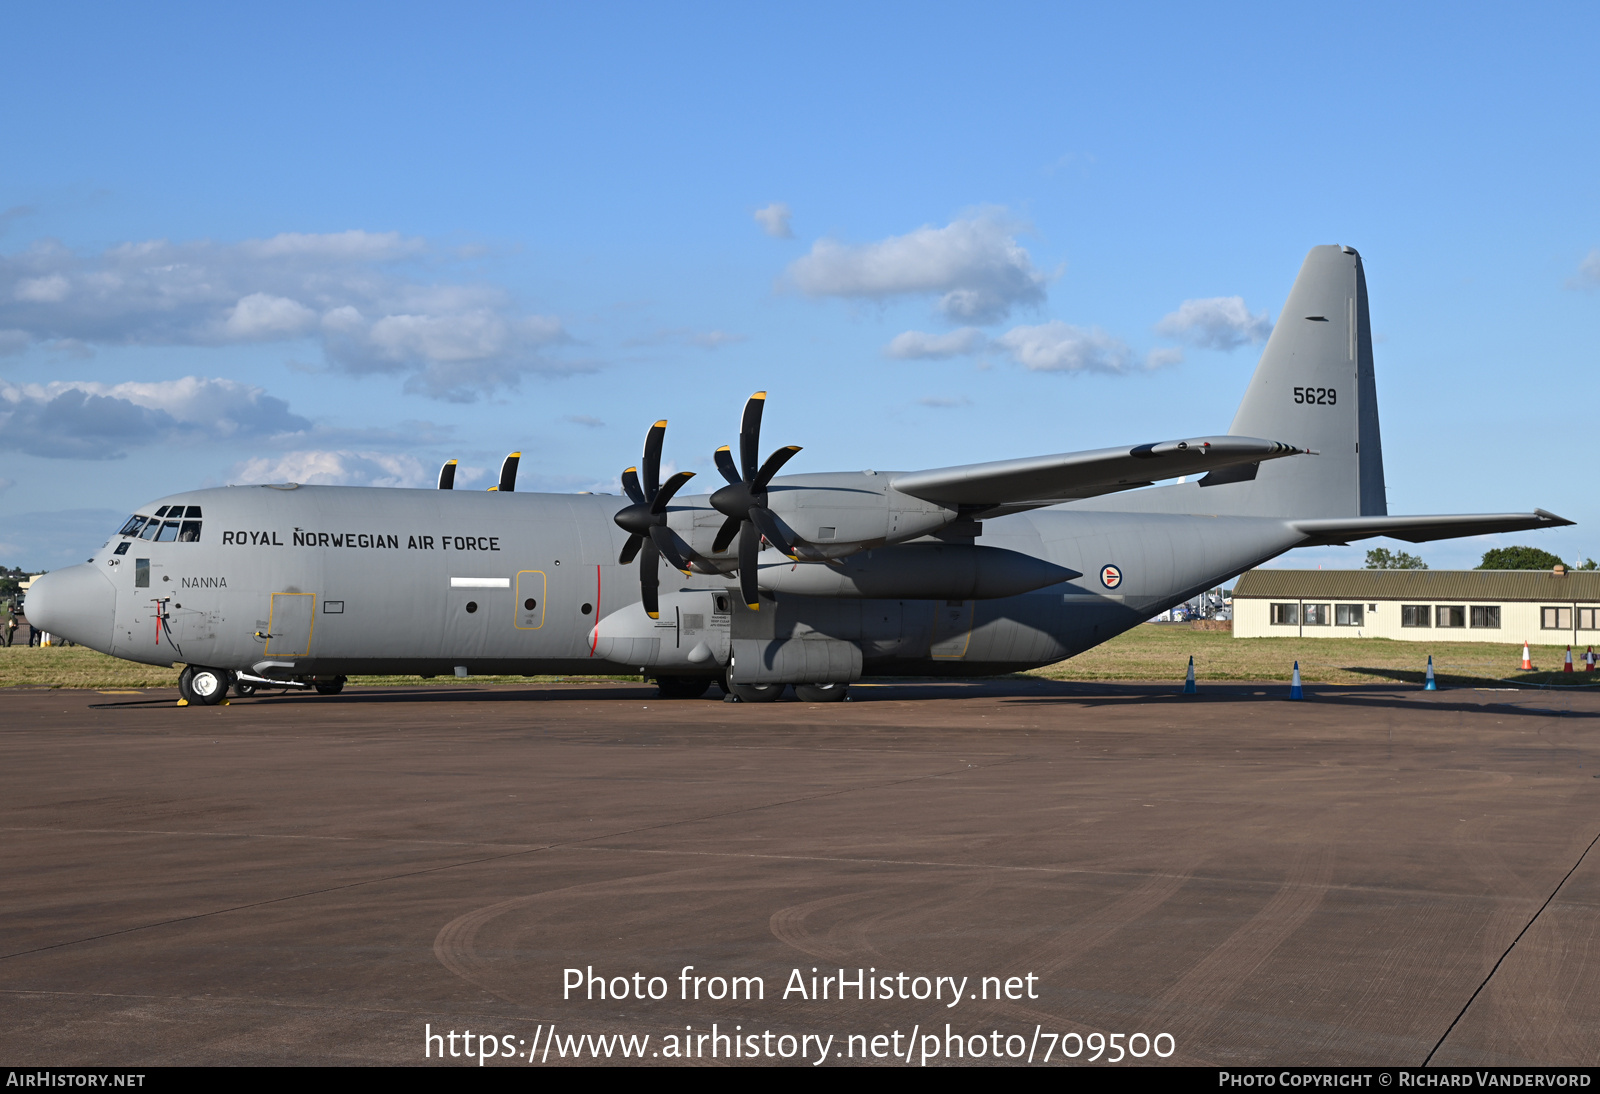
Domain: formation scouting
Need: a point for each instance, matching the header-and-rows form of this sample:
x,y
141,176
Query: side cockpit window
x,y
171,524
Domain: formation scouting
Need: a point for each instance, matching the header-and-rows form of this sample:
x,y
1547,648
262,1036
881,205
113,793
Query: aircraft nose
x,y
78,603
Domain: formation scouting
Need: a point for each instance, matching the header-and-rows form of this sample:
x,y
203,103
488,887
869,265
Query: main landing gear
x,y
771,693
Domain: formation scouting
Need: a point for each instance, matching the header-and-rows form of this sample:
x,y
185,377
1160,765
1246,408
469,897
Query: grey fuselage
x,y
319,581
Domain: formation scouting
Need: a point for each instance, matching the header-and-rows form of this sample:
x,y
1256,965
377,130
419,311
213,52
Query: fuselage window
x,y
132,527
122,548
169,531
190,532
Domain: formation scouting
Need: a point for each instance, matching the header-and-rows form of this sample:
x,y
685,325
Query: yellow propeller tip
x,y
653,615
662,424
759,395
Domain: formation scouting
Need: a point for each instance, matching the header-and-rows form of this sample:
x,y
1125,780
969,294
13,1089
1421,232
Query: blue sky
x,y
344,244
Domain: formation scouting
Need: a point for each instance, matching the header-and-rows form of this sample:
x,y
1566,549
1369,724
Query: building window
x,y
1416,615
1286,615
1486,616
1318,615
1587,618
1347,615
1555,619
1451,615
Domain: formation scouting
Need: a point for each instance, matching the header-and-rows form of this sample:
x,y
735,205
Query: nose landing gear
x,y
202,686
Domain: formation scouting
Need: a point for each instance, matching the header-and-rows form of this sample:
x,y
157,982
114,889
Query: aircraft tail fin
x,y
1314,388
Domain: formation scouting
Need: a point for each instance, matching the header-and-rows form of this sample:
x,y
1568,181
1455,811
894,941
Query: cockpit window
x,y
162,511
132,527
193,513
169,531
190,532
150,529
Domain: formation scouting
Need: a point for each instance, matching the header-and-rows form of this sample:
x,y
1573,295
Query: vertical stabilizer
x,y
1315,387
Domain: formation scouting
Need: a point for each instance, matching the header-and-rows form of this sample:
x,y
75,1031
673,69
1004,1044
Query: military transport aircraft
x,y
813,580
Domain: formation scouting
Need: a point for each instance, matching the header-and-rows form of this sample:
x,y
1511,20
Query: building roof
x,y
1420,585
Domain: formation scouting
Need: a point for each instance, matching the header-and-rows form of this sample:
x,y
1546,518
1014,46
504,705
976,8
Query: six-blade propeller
x,y
646,519
744,500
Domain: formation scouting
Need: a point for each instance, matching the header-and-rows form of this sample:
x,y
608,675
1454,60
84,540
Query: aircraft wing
x,y
1015,485
1341,530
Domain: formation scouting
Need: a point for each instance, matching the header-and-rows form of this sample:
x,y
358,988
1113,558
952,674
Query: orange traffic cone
x,y
1588,660
1568,666
1527,659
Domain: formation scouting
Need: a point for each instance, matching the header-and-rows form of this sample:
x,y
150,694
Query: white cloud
x,y
261,317
1217,322
1588,271
585,419
355,292
1061,347
339,468
82,419
774,220
1163,357
975,266
916,345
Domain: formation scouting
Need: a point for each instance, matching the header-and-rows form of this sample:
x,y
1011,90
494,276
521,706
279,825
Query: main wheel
x,y
682,687
242,689
821,693
204,686
758,693
330,687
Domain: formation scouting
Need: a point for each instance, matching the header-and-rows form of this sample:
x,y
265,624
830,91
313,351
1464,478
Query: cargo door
x,y
289,624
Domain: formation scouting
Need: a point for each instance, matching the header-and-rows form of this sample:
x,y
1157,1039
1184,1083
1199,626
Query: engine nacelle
x,y
915,571
831,515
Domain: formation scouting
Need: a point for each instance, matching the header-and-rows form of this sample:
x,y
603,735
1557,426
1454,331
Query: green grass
x,y
1144,653
1161,652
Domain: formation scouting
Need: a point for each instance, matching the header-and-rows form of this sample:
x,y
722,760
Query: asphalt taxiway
x,y
1369,876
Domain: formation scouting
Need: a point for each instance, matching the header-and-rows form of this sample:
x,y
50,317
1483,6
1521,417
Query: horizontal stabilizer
x,y
1046,480
1422,529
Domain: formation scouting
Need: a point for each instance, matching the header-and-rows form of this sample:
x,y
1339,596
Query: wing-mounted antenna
x,y
645,520
508,474
447,475
744,500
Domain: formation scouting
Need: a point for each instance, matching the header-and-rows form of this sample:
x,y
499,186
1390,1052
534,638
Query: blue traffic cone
x,y
1188,681
1295,690
1430,685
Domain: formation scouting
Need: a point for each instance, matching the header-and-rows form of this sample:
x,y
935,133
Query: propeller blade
x,y
724,460
664,542
630,549
750,435
770,468
749,549
767,525
652,457
630,486
725,534
508,473
650,579
447,475
664,495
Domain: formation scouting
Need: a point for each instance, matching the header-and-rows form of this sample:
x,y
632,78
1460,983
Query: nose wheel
x,y
201,686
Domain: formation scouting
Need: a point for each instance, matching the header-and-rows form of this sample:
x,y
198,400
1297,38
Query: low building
x,y
1539,606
